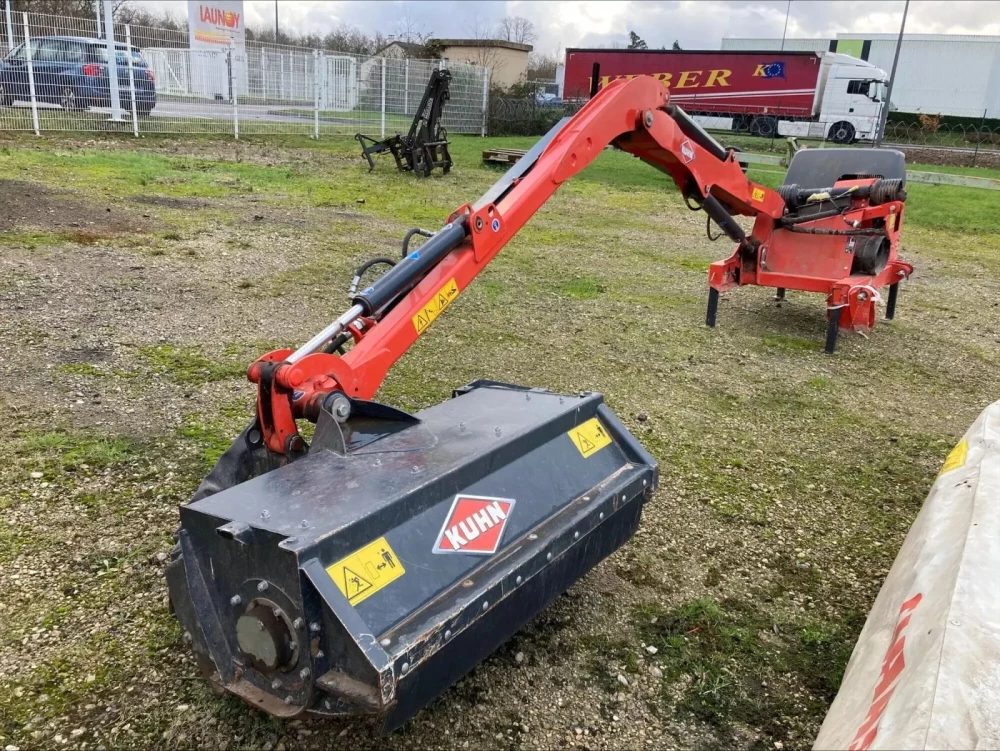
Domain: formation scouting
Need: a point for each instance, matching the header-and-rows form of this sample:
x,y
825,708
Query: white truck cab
x,y
850,94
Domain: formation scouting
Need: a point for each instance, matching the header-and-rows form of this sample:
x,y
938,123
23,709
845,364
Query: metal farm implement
x,y
425,146
367,570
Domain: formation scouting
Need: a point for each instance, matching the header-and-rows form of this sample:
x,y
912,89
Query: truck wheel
x,y
765,127
842,132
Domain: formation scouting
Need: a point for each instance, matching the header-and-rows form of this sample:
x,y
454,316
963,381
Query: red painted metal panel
x,y
778,83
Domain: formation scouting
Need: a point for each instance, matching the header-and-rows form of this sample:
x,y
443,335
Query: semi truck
x,y
806,94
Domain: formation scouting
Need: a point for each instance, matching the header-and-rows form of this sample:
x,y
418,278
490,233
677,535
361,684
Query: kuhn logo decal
x,y
687,151
475,524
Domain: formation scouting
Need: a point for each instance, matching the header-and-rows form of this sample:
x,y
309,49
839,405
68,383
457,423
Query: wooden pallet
x,y
502,156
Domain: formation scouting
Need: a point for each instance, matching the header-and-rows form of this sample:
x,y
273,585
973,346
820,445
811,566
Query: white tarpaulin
x,y
925,672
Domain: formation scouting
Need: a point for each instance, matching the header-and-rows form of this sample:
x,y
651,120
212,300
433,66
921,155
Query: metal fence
x,y
974,132
165,86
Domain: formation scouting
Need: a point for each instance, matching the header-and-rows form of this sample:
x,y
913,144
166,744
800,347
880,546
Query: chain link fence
x,y
54,77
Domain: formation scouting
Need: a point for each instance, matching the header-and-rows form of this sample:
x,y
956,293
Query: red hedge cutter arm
x,y
386,318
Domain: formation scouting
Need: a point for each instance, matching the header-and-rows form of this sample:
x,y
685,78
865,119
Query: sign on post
x,y
214,26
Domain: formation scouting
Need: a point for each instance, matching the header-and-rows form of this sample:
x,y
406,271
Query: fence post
x,y
383,97
486,100
406,87
109,37
31,75
316,60
263,71
131,80
232,90
10,27
97,12
979,137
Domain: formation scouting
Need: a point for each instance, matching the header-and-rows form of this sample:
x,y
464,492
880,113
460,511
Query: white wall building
x,y
945,74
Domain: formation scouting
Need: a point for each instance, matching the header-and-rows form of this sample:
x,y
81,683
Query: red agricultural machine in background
x,y
366,571
841,241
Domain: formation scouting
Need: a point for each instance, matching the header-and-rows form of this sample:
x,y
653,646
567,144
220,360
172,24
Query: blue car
x,y
73,72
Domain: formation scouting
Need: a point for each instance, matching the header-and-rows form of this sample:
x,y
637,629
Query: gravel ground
x,y
789,478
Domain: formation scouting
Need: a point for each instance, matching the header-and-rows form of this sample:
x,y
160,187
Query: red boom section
x,y
753,83
628,113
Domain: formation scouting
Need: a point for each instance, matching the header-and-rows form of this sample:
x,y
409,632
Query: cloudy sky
x,y
696,24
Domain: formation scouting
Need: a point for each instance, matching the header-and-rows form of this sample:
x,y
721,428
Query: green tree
x,y
676,46
636,42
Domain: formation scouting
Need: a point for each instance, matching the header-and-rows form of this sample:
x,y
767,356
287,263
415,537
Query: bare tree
x,y
516,29
542,67
485,54
410,30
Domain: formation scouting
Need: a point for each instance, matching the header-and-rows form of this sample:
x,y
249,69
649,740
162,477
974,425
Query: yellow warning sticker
x,y
364,572
757,194
590,437
957,457
435,306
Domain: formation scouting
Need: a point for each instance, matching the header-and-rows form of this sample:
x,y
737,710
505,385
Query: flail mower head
x,y
371,574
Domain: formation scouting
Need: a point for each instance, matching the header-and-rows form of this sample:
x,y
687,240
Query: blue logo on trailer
x,y
770,70
496,225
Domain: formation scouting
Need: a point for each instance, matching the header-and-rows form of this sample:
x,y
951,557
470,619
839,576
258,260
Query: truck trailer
x,y
806,94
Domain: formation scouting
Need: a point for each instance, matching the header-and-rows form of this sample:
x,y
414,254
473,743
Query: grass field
x,y
137,280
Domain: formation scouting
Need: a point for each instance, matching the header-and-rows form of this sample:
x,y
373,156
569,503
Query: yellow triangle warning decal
x,y
367,570
589,437
355,584
435,306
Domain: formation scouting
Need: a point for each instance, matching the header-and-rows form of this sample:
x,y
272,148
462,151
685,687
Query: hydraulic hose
x,y
363,268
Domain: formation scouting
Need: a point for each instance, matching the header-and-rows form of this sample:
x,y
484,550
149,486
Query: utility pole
x,y
275,21
892,79
784,31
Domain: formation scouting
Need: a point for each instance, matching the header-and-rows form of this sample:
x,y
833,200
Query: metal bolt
x,y
187,637
265,514
548,557
277,612
297,623
253,436
561,399
235,600
576,535
447,634
275,684
288,699
385,642
497,430
343,409
314,627
586,498
486,605
648,119
532,536
527,396
644,483
602,515
518,580
304,673
404,668
262,587
900,273
327,704
461,426
862,296
291,540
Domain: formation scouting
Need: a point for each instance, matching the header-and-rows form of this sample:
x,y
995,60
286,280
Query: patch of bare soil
x,y
28,204
952,158
172,202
